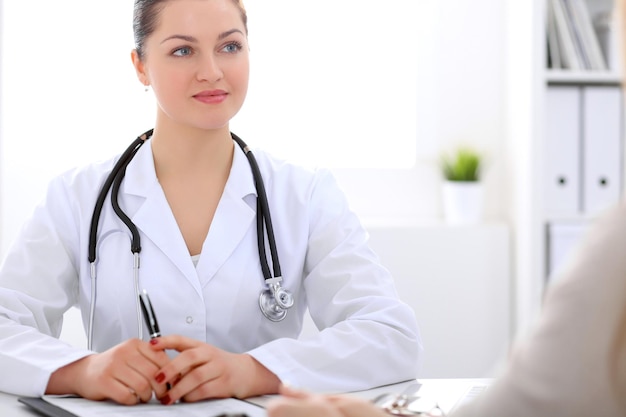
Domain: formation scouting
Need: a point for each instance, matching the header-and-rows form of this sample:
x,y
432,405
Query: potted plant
x,y
462,190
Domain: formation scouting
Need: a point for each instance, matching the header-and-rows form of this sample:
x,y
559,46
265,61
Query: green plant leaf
x,y
462,165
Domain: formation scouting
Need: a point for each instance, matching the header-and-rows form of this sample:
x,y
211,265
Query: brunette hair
x,y
146,16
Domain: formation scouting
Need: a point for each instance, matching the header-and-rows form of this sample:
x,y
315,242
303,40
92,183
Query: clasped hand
x,y
134,371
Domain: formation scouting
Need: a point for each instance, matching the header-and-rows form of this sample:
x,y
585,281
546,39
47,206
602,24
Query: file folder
x,y
562,155
601,149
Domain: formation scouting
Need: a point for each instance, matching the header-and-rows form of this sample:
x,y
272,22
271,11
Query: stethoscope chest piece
x,y
275,300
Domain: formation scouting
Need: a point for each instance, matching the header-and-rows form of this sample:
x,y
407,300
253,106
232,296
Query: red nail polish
x,y
165,400
160,377
154,341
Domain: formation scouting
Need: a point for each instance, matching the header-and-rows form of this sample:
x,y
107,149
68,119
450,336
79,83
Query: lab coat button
x,y
189,319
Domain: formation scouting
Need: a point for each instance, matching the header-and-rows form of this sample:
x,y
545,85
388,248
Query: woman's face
x,y
197,62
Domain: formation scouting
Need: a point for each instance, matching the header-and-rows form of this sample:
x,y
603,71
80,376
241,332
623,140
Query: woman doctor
x,y
190,192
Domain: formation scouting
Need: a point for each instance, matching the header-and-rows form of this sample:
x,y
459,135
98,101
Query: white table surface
x,y
10,407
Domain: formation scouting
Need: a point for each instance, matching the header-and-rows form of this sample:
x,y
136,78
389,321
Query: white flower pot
x,y
462,202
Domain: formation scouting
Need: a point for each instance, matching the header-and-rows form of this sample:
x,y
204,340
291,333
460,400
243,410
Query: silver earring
x,y
145,88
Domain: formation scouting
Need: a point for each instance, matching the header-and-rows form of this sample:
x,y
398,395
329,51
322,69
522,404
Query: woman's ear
x,y
140,69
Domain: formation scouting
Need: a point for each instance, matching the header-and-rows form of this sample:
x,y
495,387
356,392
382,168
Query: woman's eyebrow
x,y
185,38
228,33
192,39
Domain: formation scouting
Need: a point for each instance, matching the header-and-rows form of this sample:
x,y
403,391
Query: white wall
x,y
457,279
68,95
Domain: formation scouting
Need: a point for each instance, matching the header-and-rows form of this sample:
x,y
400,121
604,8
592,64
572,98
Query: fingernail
x,y
154,341
165,400
160,377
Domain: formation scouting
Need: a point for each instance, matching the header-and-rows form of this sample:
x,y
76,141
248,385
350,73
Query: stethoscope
x,y
273,300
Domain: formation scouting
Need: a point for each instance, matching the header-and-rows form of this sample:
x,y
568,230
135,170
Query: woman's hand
x,y
295,403
203,371
124,374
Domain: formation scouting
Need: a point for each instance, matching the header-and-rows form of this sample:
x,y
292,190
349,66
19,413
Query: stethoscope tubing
x,y
121,164
135,245
122,161
263,216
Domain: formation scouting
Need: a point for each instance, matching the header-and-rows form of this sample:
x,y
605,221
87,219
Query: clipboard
x,y
44,407
73,406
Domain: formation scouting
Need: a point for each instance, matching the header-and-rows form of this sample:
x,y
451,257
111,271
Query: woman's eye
x,y
184,51
232,47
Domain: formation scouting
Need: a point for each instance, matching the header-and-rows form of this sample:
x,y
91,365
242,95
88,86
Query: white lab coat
x,y
369,337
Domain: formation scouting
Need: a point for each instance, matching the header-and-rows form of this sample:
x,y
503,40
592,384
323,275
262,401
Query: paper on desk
x,y
82,407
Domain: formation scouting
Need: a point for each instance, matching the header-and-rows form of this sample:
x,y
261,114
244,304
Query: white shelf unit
x,y
528,82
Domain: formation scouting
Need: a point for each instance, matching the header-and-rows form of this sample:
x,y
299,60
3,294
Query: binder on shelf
x,y
562,151
569,56
601,147
608,27
572,39
577,34
554,49
589,39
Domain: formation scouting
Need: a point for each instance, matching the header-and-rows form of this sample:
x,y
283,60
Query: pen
x,y
233,415
150,318
148,315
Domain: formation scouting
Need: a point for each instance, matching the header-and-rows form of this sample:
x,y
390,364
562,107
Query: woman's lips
x,y
211,97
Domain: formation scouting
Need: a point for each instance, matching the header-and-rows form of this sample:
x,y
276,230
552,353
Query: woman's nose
x,y
210,70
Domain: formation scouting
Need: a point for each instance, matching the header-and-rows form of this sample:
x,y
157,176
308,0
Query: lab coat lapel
x,y
154,217
233,218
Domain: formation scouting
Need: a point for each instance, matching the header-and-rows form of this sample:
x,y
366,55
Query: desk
x,y
10,407
452,388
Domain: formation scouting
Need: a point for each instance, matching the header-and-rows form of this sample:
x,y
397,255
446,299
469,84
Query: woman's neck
x,y
192,167
191,153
